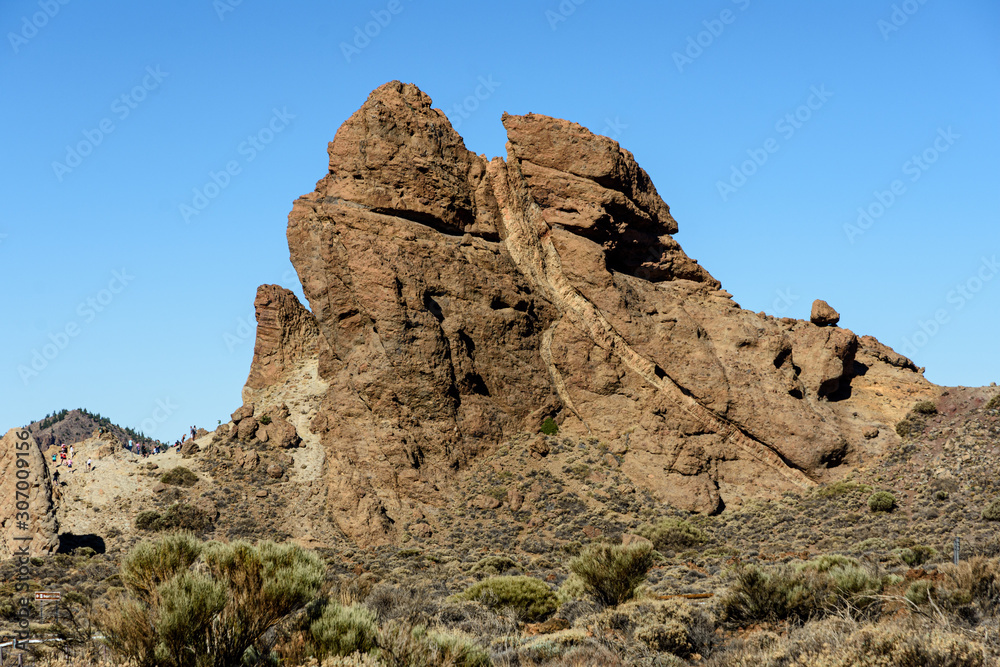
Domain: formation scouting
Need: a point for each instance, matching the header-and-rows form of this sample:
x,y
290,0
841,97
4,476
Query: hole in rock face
x,y
795,393
69,541
782,357
433,307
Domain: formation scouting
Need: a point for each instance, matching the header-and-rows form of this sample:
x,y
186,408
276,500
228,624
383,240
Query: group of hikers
x,y
64,453
65,457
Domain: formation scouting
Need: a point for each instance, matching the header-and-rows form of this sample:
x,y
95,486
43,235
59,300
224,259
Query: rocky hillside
x,y
457,303
70,426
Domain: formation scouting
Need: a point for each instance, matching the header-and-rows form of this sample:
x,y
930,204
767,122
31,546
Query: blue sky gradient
x,y
765,127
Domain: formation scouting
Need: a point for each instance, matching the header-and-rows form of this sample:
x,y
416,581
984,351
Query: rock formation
x,y
823,314
27,497
457,302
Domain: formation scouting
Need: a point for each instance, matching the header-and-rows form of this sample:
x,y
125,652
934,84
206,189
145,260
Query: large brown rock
x,y
286,334
459,302
823,314
28,516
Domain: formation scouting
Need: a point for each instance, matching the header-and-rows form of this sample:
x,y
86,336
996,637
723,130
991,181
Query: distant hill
x,y
68,426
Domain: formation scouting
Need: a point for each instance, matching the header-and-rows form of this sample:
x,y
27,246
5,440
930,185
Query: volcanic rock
x,y
823,314
286,333
457,302
28,519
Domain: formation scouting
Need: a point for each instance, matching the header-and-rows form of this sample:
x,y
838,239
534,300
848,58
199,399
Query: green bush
x,y
992,511
189,604
925,408
549,426
179,516
531,598
915,555
344,630
905,428
759,595
265,420
993,403
797,594
494,565
881,501
179,476
612,573
669,637
941,494
673,534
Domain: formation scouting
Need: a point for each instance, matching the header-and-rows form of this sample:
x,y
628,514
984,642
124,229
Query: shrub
x,y
941,494
826,562
669,637
993,403
265,420
549,426
531,598
179,516
881,501
494,565
905,428
612,573
992,511
344,630
925,408
915,555
407,646
673,534
759,595
186,603
179,476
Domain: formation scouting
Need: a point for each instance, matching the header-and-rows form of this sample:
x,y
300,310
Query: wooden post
x,y
957,547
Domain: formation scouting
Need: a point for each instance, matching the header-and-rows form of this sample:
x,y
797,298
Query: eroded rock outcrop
x,y
458,302
27,497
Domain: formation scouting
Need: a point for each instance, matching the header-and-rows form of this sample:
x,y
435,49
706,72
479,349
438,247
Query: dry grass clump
x,y
836,642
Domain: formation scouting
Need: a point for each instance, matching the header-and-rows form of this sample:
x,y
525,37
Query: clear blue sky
x,y
153,98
